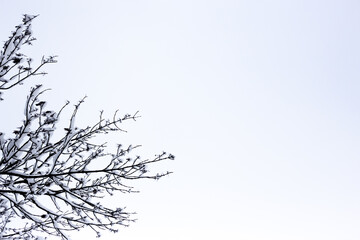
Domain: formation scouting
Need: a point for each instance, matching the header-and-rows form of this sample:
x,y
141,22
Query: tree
x,y
49,185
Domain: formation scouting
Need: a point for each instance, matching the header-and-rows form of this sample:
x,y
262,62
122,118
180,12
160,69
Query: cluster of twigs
x,y
52,185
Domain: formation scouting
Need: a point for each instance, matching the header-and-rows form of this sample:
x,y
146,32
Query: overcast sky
x,y
258,100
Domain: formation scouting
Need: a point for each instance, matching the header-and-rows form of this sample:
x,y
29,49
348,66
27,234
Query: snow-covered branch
x,y
15,67
51,184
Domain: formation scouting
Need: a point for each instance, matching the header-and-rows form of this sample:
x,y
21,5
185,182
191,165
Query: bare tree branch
x,y
15,67
55,185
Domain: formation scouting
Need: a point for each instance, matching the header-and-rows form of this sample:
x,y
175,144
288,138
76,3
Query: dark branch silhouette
x,y
52,185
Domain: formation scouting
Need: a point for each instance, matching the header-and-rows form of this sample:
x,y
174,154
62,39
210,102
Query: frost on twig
x,y
15,67
51,185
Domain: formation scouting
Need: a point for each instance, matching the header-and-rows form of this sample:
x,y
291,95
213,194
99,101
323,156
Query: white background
x,y
258,100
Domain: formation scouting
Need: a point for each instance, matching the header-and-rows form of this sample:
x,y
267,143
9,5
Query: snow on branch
x,y
15,67
53,185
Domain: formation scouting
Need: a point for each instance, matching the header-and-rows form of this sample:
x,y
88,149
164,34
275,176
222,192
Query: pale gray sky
x,y
258,100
